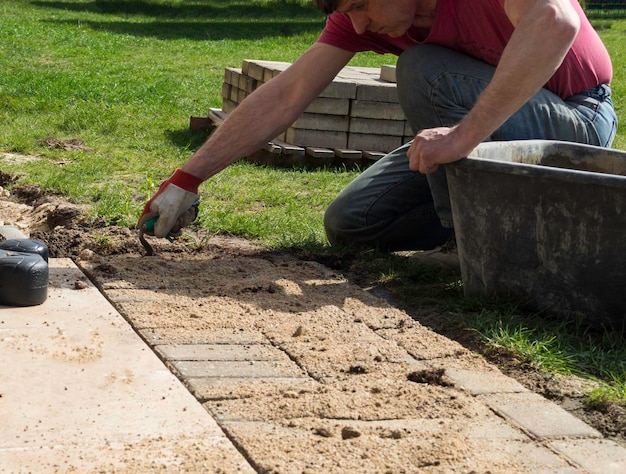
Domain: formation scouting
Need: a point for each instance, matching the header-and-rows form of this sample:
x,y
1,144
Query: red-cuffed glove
x,y
173,206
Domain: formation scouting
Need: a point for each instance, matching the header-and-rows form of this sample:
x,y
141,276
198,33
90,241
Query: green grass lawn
x,y
125,76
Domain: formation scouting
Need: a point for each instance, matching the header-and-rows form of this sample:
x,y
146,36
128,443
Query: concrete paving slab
x,y
221,352
540,417
480,382
599,456
219,388
79,390
163,336
237,368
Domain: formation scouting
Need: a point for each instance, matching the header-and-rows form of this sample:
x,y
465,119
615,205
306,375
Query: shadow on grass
x,y
203,31
187,139
212,20
209,20
210,9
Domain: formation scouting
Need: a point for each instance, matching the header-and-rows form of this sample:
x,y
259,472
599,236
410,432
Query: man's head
x,y
327,6
392,18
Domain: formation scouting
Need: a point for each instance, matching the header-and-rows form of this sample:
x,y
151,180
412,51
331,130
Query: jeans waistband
x,y
591,97
600,92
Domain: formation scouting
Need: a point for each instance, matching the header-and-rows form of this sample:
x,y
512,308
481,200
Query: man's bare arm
x,y
269,110
544,32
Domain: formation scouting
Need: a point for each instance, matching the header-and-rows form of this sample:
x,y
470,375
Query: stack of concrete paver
x,y
357,117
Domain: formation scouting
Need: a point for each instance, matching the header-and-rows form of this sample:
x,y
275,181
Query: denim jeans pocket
x,y
600,116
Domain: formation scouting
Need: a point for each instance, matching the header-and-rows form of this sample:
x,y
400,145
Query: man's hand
x,y
172,206
436,146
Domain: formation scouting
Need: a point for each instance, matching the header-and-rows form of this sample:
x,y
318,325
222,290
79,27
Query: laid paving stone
x,y
422,343
382,395
358,356
249,369
481,429
313,445
221,352
481,382
393,397
220,388
190,312
599,456
538,416
164,336
366,309
485,427
535,457
315,326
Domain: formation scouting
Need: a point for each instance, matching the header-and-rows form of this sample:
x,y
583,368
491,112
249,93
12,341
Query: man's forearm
x,y
259,118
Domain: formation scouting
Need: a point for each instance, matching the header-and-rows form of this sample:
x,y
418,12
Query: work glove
x,y
174,206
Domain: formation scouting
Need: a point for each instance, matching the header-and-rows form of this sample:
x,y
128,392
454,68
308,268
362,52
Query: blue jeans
x,y
390,207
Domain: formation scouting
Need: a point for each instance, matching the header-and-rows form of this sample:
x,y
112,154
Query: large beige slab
x,y
80,391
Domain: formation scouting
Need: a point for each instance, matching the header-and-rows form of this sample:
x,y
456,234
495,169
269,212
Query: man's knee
x,y
414,76
330,225
414,62
335,223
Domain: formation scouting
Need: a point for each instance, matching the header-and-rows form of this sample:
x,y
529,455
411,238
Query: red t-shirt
x,y
480,28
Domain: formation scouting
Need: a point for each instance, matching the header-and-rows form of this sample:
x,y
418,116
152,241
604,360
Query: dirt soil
x,y
209,283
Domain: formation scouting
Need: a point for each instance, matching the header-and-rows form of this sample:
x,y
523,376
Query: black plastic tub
x,y
544,221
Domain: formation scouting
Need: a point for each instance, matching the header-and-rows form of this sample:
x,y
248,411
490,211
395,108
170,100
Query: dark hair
x,y
327,6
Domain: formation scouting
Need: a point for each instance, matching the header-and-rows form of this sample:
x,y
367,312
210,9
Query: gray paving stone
x,y
380,91
362,141
376,110
302,438
253,69
251,369
309,121
482,382
481,429
377,126
599,456
247,83
156,336
228,105
536,458
330,139
340,89
538,416
219,388
330,106
10,232
220,352
232,74
423,344
388,73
